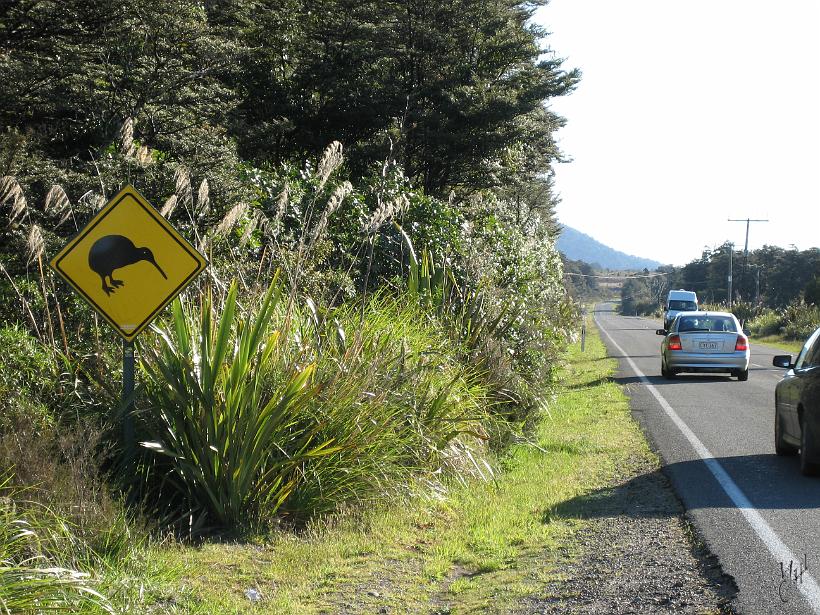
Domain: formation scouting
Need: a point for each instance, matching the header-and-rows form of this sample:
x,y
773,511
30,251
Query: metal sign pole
x,y
128,401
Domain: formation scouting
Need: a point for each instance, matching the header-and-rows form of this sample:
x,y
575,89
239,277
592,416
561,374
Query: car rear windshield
x,y
707,323
683,306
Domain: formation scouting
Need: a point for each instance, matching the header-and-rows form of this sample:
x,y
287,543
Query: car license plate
x,y
707,345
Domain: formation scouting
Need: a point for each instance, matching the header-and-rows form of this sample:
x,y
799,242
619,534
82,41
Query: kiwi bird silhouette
x,y
112,252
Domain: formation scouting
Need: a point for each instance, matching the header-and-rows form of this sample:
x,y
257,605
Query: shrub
x,y
45,445
801,319
519,276
37,560
797,321
646,308
768,322
26,367
274,410
395,399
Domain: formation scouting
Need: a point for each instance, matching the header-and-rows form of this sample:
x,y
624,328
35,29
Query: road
x,y
715,437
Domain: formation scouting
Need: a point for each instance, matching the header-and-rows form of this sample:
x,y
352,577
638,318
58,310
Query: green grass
x,y
473,547
779,342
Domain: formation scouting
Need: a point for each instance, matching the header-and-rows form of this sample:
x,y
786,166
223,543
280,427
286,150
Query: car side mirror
x,y
783,360
661,331
746,332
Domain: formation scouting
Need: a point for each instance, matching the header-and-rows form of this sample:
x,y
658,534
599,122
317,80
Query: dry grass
x,y
11,193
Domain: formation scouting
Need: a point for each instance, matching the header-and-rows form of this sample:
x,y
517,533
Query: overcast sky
x,y
689,113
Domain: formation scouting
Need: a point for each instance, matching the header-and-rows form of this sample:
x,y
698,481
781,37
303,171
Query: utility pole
x,y
757,285
746,245
731,252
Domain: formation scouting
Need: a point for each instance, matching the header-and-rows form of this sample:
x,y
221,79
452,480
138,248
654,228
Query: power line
x,y
747,221
616,277
745,253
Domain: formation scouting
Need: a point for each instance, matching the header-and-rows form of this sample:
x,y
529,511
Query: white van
x,y
679,301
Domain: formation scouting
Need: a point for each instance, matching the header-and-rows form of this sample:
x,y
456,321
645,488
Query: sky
x,y
688,114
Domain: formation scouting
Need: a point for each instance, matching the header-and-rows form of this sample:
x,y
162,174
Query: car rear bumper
x,y
697,362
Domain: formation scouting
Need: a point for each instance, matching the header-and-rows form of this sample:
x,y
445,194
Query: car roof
x,y
704,314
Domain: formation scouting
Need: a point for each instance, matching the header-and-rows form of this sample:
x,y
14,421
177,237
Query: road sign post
x,y
128,402
152,263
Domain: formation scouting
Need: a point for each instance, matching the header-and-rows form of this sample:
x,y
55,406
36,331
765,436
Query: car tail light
x,y
674,343
742,343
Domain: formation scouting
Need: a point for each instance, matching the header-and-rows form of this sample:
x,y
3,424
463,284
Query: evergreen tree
x,y
77,71
452,86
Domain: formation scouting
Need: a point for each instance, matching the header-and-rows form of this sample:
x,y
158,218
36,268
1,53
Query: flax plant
x,y
395,400
293,409
230,427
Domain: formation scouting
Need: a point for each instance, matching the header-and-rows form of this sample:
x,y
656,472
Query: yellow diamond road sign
x,y
128,262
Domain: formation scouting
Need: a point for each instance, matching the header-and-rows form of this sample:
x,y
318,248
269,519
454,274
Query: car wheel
x,y
781,447
742,375
664,371
807,466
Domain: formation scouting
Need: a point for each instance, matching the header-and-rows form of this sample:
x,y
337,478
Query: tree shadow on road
x,y
638,535
646,495
661,381
767,482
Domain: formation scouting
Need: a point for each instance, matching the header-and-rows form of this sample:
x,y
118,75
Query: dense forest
x,y
777,290
371,183
771,276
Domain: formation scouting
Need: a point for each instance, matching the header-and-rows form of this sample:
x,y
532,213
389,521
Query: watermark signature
x,y
791,576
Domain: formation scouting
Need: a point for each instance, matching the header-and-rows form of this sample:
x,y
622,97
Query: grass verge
x,y
474,547
780,343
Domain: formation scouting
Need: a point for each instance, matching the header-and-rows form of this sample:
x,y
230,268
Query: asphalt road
x,y
714,434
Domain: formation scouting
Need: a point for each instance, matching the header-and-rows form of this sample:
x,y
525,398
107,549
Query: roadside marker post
x,y
130,239
583,329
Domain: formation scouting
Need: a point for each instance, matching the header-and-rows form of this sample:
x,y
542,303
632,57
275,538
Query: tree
x,y
584,285
474,86
636,297
76,72
445,87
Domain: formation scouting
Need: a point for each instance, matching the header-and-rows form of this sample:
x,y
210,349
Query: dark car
x,y
797,406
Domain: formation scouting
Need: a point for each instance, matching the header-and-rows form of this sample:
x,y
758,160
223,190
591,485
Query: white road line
x,y
778,549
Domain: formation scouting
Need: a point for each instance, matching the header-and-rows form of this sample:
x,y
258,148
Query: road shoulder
x,y
635,552
577,520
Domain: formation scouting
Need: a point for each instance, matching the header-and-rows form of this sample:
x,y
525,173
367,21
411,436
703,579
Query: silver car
x,y
711,342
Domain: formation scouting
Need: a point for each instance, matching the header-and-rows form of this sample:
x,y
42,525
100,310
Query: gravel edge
x,y
637,553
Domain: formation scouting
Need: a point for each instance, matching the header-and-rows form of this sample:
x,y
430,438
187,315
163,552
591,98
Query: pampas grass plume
x,y
11,191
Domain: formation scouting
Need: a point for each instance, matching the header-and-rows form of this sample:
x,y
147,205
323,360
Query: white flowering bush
x,y
503,298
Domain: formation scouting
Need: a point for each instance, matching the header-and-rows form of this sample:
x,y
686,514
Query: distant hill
x,y
580,247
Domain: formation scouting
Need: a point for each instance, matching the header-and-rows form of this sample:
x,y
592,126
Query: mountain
x,y
580,247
